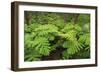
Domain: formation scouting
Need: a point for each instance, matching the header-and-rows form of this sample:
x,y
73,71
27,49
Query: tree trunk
x,y
75,18
28,18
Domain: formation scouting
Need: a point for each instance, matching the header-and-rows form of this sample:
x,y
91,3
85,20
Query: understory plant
x,y
48,36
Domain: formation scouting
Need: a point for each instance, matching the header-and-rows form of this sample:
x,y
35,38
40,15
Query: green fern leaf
x,y
41,45
32,55
85,39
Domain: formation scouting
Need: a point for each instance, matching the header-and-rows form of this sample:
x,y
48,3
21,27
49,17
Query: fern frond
x,y
74,47
46,29
77,28
41,45
71,35
68,26
30,28
71,49
71,26
28,40
32,55
85,39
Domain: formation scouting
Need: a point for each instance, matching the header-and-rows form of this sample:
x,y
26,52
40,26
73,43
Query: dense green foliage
x,y
52,36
